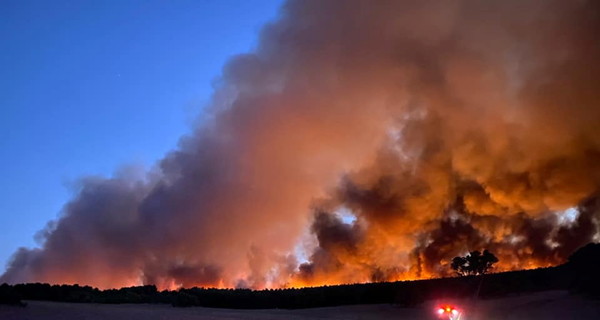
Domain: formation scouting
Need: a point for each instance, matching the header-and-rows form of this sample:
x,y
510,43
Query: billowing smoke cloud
x,y
380,138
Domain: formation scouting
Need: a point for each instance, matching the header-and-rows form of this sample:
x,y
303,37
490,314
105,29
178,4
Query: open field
x,y
544,305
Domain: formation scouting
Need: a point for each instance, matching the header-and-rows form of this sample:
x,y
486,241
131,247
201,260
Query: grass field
x,y
544,305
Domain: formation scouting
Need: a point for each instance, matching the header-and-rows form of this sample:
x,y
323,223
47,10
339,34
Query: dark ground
x,y
541,305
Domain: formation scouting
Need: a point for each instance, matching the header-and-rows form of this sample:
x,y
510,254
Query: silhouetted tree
x,y
473,264
8,295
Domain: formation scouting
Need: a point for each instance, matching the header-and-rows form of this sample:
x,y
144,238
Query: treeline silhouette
x,y
580,275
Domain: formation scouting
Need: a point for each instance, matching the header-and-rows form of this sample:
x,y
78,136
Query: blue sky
x,y
89,86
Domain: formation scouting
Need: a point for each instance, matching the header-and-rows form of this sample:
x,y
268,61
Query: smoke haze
x,y
361,141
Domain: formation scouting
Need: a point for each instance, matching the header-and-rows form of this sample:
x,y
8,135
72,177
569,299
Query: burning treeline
x,y
361,141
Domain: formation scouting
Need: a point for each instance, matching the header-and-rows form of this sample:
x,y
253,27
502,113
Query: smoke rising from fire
x,y
441,126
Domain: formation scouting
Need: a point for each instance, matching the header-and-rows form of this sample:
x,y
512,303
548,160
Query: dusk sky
x,y
88,87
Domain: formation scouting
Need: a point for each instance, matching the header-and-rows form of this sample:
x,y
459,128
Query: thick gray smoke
x,y
436,126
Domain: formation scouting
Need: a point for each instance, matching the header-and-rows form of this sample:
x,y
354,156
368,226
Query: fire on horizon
x,y
361,141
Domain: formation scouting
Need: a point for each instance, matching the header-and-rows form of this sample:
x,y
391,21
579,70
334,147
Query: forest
x,y
579,275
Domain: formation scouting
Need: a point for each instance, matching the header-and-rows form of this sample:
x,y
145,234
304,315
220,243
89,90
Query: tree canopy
x,y
473,264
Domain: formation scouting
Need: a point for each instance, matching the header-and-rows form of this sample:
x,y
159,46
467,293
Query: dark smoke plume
x,y
438,127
